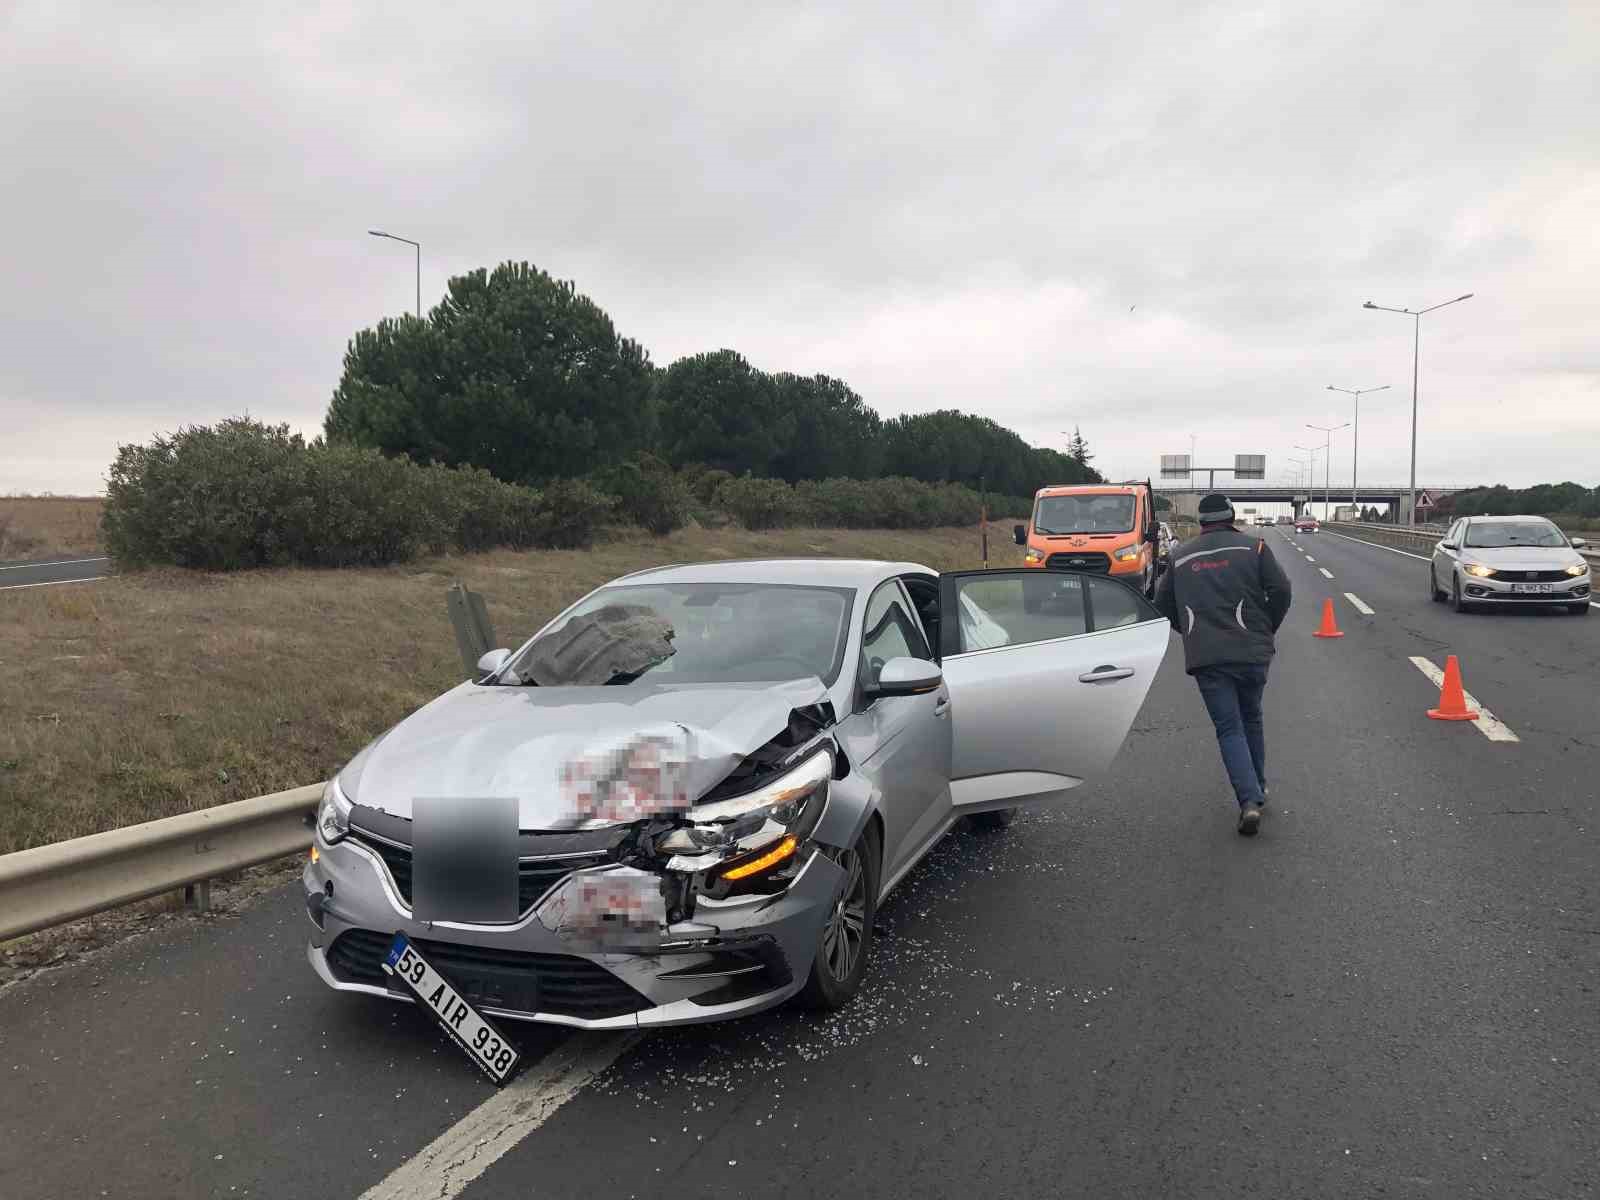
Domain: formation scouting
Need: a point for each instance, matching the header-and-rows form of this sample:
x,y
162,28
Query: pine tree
x,y
1078,449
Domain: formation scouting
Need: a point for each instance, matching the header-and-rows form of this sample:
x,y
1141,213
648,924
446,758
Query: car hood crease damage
x,y
500,741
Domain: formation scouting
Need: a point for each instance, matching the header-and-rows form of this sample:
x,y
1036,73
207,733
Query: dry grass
x,y
41,527
152,694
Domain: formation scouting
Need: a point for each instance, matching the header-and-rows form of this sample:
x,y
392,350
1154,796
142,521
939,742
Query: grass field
x,y
155,693
41,527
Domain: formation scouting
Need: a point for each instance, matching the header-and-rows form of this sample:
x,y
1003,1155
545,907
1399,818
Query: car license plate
x,y
483,1043
1539,588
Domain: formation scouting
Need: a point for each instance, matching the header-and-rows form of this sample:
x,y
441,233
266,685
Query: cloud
x,y
943,209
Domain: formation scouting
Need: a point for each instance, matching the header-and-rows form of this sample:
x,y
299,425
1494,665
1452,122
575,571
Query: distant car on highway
x,y
1489,561
1305,525
709,778
1284,519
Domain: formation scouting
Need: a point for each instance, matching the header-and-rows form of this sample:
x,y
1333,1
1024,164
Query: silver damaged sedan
x,y
685,797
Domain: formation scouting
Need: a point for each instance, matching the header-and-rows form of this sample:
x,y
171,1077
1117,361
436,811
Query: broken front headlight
x,y
769,822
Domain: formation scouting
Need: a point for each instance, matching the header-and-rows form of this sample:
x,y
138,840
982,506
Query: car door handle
x,y
941,706
1105,674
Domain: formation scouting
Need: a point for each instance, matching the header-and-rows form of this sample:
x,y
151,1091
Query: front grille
x,y
1092,561
1535,576
535,877
515,980
1523,597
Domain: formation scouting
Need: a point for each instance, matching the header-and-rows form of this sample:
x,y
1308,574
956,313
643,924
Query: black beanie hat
x,y
1215,508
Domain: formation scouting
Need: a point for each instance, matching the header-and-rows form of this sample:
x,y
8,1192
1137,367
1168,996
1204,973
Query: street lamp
x,y
1327,464
1355,448
1416,352
396,238
1311,473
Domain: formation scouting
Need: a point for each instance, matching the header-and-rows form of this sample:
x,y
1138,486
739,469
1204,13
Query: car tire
x,y
1434,593
1457,604
831,983
995,819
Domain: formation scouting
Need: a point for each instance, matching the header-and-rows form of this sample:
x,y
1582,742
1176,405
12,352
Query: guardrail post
x,y
469,617
197,895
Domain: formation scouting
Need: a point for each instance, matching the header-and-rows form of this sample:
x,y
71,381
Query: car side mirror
x,y
1019,534
905,677
492,662
1447,545
1578,543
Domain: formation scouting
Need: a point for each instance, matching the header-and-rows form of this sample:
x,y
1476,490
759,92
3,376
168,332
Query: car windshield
x,y
690,633
1084,514
1492,534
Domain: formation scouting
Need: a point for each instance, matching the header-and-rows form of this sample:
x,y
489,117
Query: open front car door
x,y
1046,671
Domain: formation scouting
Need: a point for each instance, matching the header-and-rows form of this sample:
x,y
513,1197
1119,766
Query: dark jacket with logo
x,y
1227,595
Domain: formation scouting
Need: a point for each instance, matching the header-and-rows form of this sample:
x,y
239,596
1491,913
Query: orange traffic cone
x,y
1329,627
1452,700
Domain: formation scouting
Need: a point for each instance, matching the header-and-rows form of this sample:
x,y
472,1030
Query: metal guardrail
x,y
1418,540
51,885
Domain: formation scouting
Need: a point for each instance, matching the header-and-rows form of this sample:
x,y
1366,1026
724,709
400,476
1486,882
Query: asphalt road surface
x,y
42,574
1394,990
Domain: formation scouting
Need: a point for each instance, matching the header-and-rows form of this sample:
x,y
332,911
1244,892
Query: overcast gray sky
x,y
944,207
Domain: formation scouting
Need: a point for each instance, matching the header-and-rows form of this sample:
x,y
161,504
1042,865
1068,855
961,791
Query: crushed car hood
x,y
498,741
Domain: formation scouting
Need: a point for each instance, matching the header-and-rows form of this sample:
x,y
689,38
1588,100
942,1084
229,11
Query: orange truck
x,y
1101,528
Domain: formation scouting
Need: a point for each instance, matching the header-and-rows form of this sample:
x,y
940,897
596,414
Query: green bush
x,y
570,512
362,509
759,503
244,494
214,498
648,494
705,484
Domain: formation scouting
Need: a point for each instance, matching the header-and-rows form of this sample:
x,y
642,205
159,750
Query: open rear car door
x,y
1047,671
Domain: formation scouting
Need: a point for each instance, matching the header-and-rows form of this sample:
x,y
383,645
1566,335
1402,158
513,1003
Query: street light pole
x,y
1327,464
396,238
1311,471
1416,357
1355,448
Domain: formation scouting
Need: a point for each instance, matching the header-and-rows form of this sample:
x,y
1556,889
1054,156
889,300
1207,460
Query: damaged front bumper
x,y
735,955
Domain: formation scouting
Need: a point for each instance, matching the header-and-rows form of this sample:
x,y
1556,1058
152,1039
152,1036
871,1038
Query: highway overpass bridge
x,y
1185,499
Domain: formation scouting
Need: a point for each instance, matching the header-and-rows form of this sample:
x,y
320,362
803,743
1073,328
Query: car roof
x,y
819,572
1503,520
1087,489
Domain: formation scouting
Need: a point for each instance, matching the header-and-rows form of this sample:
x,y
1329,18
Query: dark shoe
x,y
1249,820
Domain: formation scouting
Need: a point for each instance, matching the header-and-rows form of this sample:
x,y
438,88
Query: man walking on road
x,y
1227,595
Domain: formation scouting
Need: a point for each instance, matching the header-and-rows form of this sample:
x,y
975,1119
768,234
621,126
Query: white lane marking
x,y
1491,726
60,562
1361,605
12,587
1326,574
472,1145
1310,559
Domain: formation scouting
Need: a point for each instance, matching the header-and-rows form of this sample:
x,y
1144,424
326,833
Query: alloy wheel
x,y
841,941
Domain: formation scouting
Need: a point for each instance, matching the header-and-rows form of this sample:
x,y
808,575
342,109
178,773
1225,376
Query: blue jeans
x,y
1233,698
